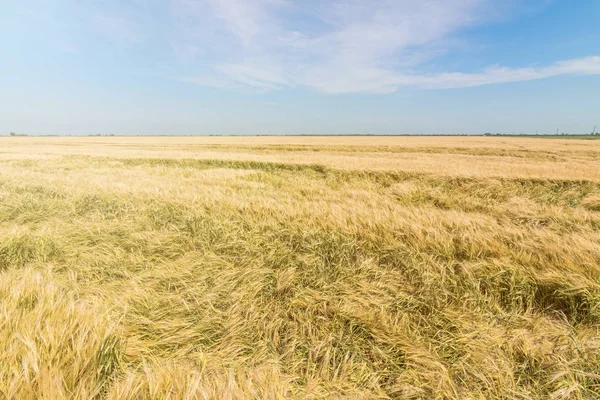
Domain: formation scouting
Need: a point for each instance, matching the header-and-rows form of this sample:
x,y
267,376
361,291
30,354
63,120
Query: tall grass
x,y
135,278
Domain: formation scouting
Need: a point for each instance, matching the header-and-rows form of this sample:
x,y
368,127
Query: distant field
x,y
299,267
503,157
572,137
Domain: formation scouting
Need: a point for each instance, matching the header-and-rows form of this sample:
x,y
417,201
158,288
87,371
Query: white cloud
x,y
341,46
492,75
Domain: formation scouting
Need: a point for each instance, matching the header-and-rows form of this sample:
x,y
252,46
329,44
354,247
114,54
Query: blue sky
x,y
290,66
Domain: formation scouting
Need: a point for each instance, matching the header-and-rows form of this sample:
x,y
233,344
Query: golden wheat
x,y
303,268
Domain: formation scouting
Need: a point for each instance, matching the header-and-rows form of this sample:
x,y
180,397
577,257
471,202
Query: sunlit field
x,y
299,267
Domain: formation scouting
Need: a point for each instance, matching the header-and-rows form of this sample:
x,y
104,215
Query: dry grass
x,y
305,268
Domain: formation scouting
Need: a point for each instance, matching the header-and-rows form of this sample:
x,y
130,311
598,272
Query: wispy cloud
x,y
495,74
117,28
245,18
341,46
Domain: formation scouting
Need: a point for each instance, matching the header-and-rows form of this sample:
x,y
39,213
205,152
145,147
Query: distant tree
x,y
13,134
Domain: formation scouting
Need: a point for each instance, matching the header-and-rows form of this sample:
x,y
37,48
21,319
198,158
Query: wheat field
x,y
299,268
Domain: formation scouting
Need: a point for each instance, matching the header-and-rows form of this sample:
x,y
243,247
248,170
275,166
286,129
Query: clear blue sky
x,y
292,66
